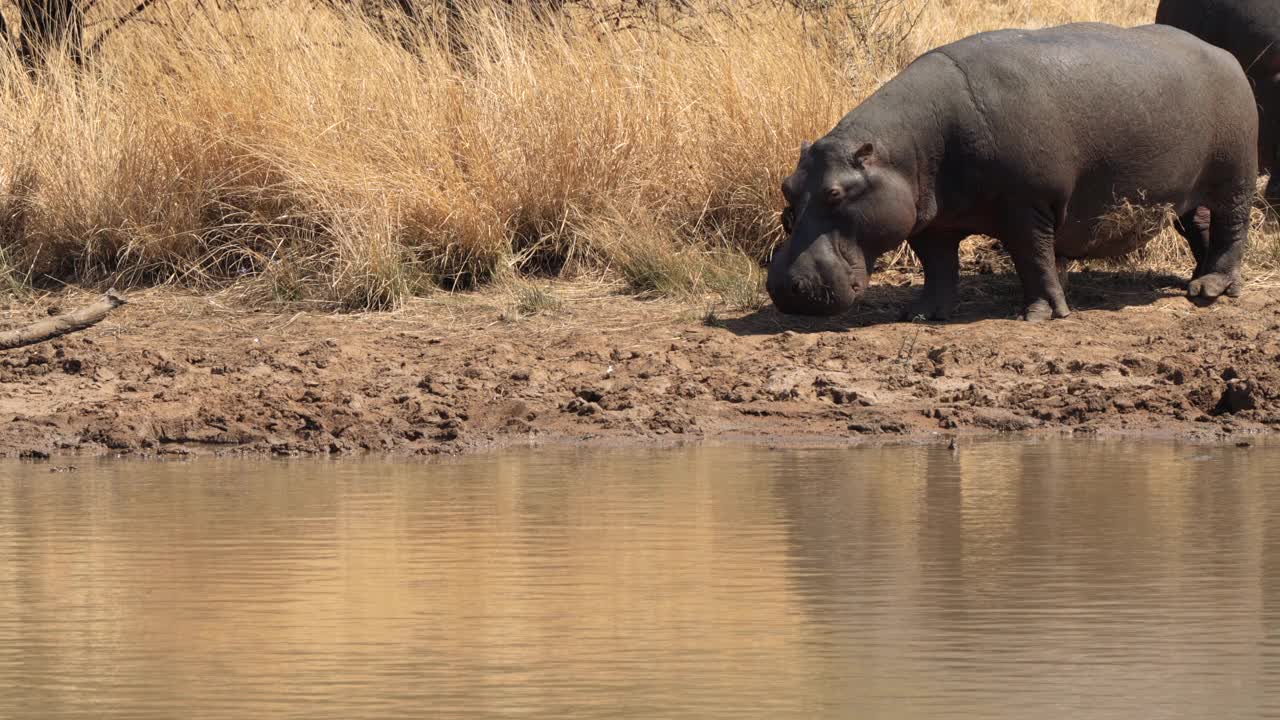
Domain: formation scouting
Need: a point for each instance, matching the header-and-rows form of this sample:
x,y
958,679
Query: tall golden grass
x,y
301,154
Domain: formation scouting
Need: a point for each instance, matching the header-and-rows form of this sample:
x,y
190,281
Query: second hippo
x,y
1029,136
1249,30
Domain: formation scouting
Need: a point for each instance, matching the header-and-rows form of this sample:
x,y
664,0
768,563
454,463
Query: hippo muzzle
x,y
818,280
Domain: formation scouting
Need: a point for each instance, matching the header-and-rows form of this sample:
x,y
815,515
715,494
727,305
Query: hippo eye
x,y
834,195
788,219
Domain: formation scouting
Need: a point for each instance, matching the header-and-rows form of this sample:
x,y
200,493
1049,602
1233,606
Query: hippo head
x,y
846,205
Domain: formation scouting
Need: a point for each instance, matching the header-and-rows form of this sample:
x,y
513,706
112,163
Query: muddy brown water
x,y
1000,580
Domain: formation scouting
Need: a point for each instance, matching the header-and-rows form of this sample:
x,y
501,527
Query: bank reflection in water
x,y
999,580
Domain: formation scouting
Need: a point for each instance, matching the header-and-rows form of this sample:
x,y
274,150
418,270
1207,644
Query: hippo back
x,y
1128,105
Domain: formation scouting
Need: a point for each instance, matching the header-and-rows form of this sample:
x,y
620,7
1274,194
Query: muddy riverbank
x,y
173,374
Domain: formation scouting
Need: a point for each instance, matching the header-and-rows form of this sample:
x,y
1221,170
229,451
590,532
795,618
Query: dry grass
x,y
1151,229
1131,223
529,299
1162,248
296,154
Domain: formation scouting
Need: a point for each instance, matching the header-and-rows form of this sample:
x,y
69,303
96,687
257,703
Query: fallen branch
x,y
57,326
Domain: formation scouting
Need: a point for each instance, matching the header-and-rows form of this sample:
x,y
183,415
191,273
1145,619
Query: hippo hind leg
x,y
1218,273
939,254
1194,226
1029,237
1063,266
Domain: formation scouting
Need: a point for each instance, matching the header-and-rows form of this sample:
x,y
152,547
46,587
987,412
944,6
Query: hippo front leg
x,y
1029,237
939,254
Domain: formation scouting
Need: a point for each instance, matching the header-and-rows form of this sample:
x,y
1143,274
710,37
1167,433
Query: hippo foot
x,y
927,308
1213,285
1042,310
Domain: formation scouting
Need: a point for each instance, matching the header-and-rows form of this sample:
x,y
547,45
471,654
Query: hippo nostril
x,y
797,287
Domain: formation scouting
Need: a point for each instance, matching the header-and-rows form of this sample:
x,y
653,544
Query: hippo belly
x,y
1098,226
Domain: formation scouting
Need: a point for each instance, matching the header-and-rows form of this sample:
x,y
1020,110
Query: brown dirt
x,y
175,374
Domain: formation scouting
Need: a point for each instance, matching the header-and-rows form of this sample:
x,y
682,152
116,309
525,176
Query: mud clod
x,y
582,408
590,394
1238,396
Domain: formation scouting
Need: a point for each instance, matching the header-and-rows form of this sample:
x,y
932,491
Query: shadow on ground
x,y
982,297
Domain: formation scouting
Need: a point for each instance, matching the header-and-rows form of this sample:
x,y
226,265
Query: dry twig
x,y
64,324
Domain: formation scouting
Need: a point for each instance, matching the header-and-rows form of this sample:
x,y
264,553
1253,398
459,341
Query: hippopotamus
x,y
1249,30
1028,136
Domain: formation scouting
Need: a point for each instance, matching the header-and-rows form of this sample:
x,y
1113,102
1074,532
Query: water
x,y
1000,581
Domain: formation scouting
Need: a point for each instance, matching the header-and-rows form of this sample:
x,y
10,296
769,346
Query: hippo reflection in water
x,y
1029,136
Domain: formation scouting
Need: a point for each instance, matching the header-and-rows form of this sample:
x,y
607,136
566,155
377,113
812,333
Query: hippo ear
x,y
862,153
804,147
